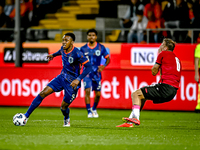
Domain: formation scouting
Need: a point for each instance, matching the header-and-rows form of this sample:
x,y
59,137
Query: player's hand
x,y
101,68
74,83
159,50
50,57
196,77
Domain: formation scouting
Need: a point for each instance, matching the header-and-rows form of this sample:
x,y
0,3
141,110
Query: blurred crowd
x,y
140,15
161,14
31,11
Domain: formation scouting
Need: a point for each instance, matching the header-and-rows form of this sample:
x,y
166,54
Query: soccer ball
x,y
19,119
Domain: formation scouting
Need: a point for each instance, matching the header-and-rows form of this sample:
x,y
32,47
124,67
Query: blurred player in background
x,y
197,66
94,52
164,91
69,78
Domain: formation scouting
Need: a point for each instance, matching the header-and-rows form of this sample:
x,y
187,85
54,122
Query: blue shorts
x,y
59,83
91,83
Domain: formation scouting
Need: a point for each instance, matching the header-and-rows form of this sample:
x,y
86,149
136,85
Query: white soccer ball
x,y
19,119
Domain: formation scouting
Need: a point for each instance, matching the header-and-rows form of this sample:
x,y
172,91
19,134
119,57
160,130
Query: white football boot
x,y
94,113
90,115
66,123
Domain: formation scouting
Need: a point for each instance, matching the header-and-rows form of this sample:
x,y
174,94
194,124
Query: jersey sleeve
x,y
81,49
197,51
82,59
57,53
159,58
104,52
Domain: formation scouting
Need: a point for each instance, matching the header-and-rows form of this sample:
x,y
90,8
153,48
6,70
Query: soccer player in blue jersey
x,y
94,52
69,78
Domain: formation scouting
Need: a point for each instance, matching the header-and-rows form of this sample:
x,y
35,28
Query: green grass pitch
x,y
159,130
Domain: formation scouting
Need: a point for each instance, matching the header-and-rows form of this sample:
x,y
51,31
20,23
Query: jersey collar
x,y
69,51
93,46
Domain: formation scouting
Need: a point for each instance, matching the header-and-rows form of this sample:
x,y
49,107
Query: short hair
x,y
92,30
71,35
169,43
139,12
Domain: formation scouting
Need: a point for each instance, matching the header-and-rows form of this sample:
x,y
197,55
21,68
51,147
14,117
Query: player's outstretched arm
x,y
50,57
88,68
155,69
74,83
101,68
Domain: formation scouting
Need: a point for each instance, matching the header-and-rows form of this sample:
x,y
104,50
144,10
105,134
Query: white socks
x,y
135,112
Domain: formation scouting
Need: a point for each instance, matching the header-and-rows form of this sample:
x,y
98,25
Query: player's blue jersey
x,y
94,54
71,63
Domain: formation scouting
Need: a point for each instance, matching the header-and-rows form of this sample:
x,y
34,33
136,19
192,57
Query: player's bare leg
x,y
87,102
37,101
96,101
46,91
65,111
138,102
97,96
197,108
136,97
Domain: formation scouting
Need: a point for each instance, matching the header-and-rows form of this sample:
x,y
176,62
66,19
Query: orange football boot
x,y
125,125
132,120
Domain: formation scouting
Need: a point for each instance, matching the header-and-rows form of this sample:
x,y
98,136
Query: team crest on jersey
x,y
70,60
97,52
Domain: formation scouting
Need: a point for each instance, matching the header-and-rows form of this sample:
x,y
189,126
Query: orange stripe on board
x,y
115,48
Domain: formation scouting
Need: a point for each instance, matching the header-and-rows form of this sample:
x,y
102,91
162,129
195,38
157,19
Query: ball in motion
x,y
19,119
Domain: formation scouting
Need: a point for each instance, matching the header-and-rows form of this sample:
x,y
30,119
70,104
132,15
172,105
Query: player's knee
x,y
46,91
135,94
98,94
64,105
87,92
132,94
43,94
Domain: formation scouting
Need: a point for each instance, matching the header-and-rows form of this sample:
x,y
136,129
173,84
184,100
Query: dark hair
x,y
139,12
71,35
169,43
92,30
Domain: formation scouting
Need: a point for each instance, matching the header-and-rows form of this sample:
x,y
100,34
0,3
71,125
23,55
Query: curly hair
x,y
92,30
71,35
